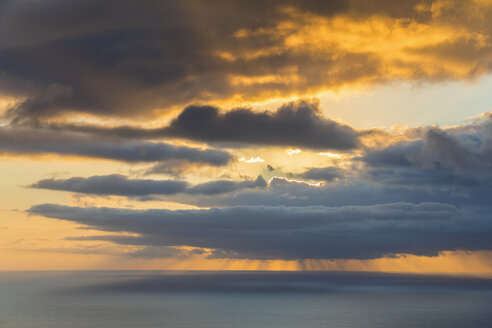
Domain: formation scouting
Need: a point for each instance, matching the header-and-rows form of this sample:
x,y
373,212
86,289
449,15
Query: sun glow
x,y
252,160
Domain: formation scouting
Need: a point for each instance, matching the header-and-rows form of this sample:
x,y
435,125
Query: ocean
x,y
151,299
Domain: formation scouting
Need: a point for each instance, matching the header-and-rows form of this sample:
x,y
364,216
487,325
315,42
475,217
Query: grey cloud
x,y
453,157
293,124
33,141
365,189
120,185
298,124
224,186
329,173
279,191
288,282
113,184
398,155
412,176
152,252
350,232
465,150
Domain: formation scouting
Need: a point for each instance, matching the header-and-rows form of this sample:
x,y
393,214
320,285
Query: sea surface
x,y
150,299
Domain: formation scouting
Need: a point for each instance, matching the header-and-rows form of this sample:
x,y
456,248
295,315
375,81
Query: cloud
x,y
329,173
452,165
113,184
33,141
224,186
286,282
460,156
279,191
366,188
349,232
153,252
293,124
439,165
120,185
299,123
150,56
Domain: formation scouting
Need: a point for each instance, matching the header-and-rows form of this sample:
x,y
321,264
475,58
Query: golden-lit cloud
x,y
368,50
264,51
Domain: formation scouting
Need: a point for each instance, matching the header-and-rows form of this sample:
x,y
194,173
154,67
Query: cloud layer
x,y
34,141
455,157
350,232
294,124
298,124
150,56
116,184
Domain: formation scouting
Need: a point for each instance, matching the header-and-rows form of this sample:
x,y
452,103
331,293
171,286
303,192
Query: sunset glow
x,y
283,135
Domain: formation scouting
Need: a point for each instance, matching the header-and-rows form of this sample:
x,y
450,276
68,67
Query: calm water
x,y
214,300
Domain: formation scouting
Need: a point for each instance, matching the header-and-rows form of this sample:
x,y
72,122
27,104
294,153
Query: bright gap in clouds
x,y
411,104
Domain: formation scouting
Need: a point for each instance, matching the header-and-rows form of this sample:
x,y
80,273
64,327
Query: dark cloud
x,y
120,185
279,191
113,184
285,282
438,148
32,141
351,232
434,178
84,56
366,188
453,157
152,252
329,173
440,165
452,165
224,186
298,123
130,61
294,124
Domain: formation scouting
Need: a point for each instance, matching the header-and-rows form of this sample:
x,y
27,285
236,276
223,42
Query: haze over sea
x,y
120,299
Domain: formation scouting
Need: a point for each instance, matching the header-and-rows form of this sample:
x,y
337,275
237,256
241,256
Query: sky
x,y
246,135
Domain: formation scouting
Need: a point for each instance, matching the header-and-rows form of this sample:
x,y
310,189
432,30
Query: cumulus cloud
x,y
350,232
455,157
116,184
294,124
33,141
